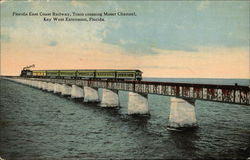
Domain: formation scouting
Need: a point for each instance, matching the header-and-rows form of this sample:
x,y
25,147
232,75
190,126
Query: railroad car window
x,y
85,74
52,73
106,74
67,73
125,74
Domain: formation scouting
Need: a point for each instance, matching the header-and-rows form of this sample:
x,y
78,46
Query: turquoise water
x,y
35,124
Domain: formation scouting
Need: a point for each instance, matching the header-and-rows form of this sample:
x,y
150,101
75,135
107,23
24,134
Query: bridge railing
x,y
220,93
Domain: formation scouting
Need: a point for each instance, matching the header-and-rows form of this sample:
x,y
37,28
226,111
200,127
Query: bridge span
x,y
183,95
219,93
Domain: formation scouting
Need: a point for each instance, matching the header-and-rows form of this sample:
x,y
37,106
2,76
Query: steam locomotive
x,y
107,74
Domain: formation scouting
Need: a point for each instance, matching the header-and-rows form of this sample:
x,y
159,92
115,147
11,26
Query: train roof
x,y
137,70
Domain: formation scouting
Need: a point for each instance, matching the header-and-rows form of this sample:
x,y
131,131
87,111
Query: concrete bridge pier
x,y
26,82
57,88
23,81
90,94
44,86
50,87
182,113
20,80
30,82
37,84
66,90
40,84
110,98
137,103
77,92
33,83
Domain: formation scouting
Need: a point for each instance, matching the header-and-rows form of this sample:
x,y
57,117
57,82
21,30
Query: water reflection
x,y
186,140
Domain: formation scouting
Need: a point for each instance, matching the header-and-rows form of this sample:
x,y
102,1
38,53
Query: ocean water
x,y
243,82
36,124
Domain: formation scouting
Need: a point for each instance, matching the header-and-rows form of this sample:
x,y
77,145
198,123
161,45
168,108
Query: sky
x,y
172,39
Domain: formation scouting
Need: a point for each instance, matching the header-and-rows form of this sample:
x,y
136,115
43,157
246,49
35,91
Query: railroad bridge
x,y
183,95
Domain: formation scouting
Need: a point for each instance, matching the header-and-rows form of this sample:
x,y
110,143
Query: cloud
x,y
3,1
52,43
203,5
77,3
207,62
124,41
173,52
160,67
5,38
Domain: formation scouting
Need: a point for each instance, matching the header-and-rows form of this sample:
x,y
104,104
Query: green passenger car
x,y
125,74
67,73
38,73
52,73
105,74
129,74
85,74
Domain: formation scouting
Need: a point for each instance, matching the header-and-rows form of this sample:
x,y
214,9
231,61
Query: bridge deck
x,y
220,93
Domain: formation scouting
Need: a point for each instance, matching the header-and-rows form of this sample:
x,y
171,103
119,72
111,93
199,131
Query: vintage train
x,y
107,74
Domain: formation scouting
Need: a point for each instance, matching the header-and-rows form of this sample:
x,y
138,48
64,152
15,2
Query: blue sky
x,y
184,26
